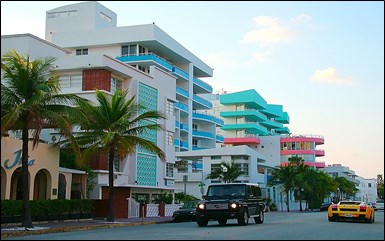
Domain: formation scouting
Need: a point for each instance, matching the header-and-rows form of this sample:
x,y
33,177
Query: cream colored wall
x,y
45,158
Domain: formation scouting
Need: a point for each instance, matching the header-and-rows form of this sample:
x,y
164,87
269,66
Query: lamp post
x,y
224,169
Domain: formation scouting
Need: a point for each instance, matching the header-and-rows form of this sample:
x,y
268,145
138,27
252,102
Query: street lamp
x,y
224,169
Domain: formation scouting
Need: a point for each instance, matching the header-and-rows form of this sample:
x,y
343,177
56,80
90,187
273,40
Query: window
x,y
169,170
170,107
116,84
133,49
67,81
81,51
124,50
245,168
216,157
369,185
142,50
170,138
195,127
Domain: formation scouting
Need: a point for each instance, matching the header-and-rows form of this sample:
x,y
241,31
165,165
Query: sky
x,y
322,61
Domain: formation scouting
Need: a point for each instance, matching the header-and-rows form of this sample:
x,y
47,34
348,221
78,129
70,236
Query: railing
x,y
181,106
182,92
133,208
202,101
203,134
209,117
145,57
180,72
203,84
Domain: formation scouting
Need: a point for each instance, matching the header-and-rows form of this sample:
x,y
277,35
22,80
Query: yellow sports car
x,y
351,210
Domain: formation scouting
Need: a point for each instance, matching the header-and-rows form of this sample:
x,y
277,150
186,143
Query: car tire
x,y
244,219
331,219
261,217
202,222
222,221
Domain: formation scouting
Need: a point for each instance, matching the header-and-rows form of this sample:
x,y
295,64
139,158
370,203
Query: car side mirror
x,y
203,196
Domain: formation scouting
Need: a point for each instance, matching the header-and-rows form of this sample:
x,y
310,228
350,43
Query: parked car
x,y
225,201
379,205
187,212
325,206
351,210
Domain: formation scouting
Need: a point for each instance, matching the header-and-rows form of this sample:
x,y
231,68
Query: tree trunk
x,y
300,201
287,200
27,220
111,208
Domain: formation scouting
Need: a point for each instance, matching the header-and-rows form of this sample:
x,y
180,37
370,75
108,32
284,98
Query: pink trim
x,y
242,140
304,152
312,164
318,141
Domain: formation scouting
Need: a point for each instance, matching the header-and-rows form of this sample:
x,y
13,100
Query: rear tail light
x,y
362,208
334,206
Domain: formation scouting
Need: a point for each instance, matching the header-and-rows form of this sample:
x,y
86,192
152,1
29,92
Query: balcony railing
x,y
203,85
208,117
182,92
203,102
181,106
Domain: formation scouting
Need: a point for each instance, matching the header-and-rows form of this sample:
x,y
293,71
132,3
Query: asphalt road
x,y
277,226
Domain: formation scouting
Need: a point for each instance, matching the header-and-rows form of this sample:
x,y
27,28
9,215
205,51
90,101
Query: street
x,y
277,226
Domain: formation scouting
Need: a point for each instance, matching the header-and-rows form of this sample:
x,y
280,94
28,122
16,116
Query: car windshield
x,y
226,191
189,205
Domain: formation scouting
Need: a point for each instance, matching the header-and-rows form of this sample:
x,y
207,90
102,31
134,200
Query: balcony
x,y
201,87
151,58
181,106
180,73
251,114
207,117
243,140
219,138
199,103
184,145
203,134
184,127
253,128
182,92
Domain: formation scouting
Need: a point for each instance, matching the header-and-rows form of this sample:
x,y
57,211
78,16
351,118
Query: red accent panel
x,y
96,79
242,140
312,164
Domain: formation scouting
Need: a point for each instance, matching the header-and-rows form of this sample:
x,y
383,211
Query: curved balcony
x,y
183,145
251,114
316,152
183,127
219,138
181,106
207,117
203,134
319,140
180,73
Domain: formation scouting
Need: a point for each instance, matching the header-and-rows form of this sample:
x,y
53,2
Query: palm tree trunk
x,y
300,201
27,220
287,200
111,208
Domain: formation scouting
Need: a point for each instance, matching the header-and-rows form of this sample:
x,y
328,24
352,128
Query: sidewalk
x,y
14,229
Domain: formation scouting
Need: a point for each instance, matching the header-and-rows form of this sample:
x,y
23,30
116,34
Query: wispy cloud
x,y
330,76
271,30
262,56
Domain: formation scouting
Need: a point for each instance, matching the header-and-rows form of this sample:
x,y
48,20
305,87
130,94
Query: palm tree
x,y
114,125
301,171
228,172
30,102
285,176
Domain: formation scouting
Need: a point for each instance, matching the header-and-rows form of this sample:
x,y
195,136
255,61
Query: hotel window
x,y
67,81
245,168
170,138
82,52
133,49
124,50
142,50
169,170
195,127
116,84
170,107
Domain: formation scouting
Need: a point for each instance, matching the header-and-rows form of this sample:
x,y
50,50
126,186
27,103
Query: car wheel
x,y
261,217
331,219
222,221
244,219
202,222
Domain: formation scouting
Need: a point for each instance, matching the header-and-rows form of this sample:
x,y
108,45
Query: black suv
x,y
231,200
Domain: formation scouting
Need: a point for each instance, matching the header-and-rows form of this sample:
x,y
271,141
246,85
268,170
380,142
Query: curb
x,y
5,234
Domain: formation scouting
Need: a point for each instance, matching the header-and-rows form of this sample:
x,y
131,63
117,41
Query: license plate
x,y
348,215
